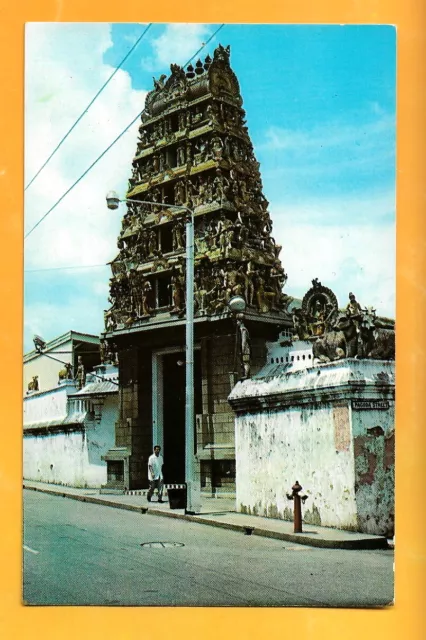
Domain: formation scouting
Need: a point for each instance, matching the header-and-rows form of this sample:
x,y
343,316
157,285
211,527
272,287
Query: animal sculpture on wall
x,y
66,372
33,384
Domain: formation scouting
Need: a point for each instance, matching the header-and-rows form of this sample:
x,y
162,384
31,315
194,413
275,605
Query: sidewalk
x,y
220,512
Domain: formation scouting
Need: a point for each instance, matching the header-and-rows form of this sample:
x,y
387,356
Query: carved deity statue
x,y
220,187
245,348
353,308
198,115
212,114
188,151
152,243
200,294
234,282
265,299
180,155
179,192
216,146
81,374
146,298
317,318
178,235
202,149
278,279
178,293
300,325
181,120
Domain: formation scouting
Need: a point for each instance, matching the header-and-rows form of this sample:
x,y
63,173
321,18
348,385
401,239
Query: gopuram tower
x,y
193,150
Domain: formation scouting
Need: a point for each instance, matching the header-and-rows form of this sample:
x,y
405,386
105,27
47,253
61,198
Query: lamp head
x,y
112,200
237,304
39,343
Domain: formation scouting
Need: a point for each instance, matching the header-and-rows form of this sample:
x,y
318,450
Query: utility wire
x,y
112,144
83,266
88,106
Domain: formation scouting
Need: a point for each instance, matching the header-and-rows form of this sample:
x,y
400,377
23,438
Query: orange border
x,y
405,618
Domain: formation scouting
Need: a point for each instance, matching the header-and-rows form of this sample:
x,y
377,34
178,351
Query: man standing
x,y
155,474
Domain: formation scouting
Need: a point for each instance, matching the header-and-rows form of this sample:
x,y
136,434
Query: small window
x,y
171,159
164,294
166,242
174,122
115,471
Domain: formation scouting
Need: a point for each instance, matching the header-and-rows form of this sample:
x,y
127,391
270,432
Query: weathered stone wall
x,y
302,425
70,457
274,449
48,405
374,455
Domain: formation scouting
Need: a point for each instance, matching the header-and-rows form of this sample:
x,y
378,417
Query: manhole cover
x,y
161,545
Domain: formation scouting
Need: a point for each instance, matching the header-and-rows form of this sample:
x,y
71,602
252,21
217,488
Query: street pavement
x,y
221,512
78,553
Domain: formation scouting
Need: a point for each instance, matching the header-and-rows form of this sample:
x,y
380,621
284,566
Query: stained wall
x,y
303,425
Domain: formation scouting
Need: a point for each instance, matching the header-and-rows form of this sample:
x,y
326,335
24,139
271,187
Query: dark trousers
x,y
155,484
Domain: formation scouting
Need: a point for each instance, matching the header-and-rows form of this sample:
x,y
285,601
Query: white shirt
x,y
156,464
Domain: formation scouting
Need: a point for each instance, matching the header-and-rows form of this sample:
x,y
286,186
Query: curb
x,y
366,543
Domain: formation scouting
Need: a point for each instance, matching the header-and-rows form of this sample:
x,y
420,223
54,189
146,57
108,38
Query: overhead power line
x,y
112,143
88,107
83,266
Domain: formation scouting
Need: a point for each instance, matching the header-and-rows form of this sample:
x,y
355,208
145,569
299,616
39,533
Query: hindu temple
x,y
194,151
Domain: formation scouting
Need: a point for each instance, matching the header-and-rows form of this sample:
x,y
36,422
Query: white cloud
x,y
64,70
332,134
335,152
363,208
50,319
352,253
177,43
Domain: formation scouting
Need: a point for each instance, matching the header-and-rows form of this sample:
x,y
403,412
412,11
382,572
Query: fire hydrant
x,y
296,497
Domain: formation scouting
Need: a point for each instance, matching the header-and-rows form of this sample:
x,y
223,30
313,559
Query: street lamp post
x,y
193,498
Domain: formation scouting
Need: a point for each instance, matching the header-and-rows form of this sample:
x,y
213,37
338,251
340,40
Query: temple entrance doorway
x,y
169,409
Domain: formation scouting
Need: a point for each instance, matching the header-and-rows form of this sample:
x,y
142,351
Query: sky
x,y
320,105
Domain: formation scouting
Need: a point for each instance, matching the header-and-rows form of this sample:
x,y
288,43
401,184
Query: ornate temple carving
x,y
352,332
193,150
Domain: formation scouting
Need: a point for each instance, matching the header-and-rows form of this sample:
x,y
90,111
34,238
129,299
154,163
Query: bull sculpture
x,y
362,337
66,372
377,340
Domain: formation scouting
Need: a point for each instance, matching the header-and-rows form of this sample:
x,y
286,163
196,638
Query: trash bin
x,y
177,496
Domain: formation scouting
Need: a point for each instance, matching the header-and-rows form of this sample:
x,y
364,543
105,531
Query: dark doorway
x,y
174,412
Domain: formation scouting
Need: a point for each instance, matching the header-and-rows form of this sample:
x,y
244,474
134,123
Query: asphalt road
x,y
83,554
